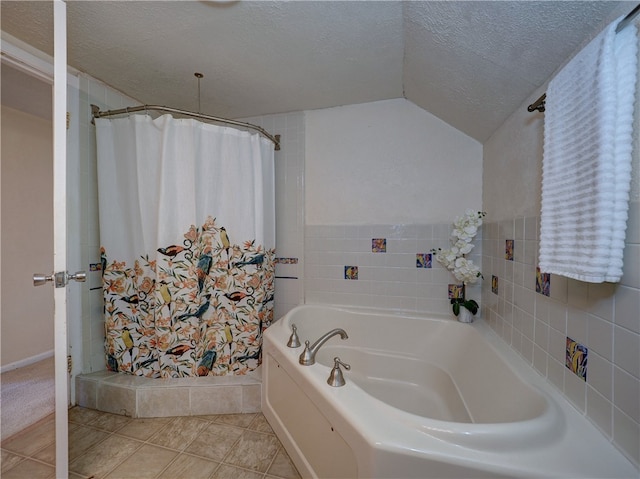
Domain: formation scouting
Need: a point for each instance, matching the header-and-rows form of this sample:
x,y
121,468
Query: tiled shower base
x,y
139,397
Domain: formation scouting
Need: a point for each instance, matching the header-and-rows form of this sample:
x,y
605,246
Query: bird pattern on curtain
x,y
199,308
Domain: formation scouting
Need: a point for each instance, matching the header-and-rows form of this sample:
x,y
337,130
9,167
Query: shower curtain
x,y
187,231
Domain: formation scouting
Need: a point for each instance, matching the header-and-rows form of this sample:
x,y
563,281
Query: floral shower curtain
x,y
187,231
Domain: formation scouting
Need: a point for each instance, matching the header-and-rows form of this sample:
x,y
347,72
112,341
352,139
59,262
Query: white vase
x,y
465,315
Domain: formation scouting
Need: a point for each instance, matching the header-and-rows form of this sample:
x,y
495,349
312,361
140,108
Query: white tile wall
x,y
388,280
289,170
84,224
603,317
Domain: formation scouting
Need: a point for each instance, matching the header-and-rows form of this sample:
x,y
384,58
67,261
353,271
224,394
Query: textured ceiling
x,y
469,63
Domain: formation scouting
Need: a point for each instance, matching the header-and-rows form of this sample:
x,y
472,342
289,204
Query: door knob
x,y
79,276
39,279
61,279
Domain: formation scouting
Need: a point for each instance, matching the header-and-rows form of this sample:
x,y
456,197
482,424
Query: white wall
x,y
384,170
398,198
388,162
603,317
513,166
27,235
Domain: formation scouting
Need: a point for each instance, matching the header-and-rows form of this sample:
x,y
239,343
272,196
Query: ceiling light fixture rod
x,y
95,111
539,104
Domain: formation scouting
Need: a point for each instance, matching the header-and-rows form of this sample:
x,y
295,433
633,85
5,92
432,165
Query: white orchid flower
x,y
465,229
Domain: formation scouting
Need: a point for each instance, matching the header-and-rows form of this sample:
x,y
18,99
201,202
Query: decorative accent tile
x,y
455,291
379,245
494,284
508,250
576,358
543,282
286,260
350,272
423,260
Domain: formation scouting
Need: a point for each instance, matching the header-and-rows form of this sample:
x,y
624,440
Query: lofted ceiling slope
x,y
471,63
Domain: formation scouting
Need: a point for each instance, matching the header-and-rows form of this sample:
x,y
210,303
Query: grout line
x,y
99,443
169,465
273,459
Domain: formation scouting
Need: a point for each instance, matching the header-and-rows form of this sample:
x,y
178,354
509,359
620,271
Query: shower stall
x,y
187,237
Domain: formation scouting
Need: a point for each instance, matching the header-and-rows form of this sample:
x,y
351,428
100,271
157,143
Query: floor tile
x,y
83,438
32,439
143,428
105,456
148,461
238,420
110,422
83,415
238,446
283,466
9,460
254,451
73,475
47,455
214,441
226,472
191,467
30,469
260,424
179,432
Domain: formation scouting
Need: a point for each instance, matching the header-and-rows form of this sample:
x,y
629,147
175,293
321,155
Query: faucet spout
x,y
308,356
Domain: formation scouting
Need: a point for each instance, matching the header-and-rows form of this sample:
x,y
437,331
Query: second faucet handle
x,y
336,378
306,358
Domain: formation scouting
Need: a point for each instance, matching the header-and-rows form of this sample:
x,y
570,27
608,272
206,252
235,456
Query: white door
x,y
60,277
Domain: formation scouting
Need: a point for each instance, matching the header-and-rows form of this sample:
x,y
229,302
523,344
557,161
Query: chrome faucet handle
x,y
306,359
294,341
336,378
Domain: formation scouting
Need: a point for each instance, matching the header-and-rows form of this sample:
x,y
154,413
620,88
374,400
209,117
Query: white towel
x,y
586,169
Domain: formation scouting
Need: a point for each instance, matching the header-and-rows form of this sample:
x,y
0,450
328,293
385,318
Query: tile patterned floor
x,y
103,445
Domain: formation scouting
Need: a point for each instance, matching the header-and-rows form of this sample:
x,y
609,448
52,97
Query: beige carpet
x,y
28,395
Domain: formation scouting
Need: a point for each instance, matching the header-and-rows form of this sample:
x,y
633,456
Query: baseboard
x,y
27,361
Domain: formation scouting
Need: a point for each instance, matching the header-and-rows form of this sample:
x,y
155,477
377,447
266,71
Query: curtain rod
x,y
539,104
95,111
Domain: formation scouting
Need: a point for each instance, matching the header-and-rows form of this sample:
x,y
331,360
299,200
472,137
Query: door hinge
x,y
69,364
68,119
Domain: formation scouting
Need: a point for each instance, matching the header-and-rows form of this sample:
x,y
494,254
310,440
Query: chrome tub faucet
x,y
308,356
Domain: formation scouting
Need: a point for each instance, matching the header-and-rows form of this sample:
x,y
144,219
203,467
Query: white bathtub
x,y
425,397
